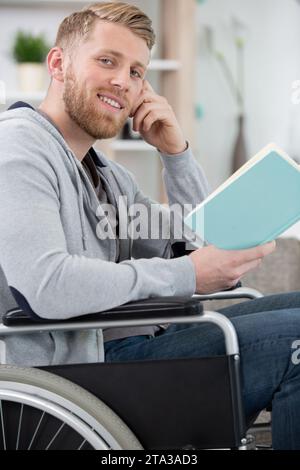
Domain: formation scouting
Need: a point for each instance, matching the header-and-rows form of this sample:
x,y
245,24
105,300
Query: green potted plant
x,y
29,51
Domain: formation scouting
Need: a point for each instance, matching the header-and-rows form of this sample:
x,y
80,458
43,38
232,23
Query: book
x,y
255,205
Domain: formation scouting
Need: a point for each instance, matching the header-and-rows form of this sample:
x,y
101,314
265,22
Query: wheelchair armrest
x,y
236,293
150,308
152,311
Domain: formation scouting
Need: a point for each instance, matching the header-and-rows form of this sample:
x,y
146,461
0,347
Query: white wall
x,y
272,63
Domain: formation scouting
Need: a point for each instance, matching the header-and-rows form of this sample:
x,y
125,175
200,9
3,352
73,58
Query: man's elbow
x,y
41,306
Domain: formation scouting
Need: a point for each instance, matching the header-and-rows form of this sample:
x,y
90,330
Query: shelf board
x,y
164,65
131,146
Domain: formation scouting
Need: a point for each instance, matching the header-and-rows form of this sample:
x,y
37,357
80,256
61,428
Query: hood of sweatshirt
x,y
26,111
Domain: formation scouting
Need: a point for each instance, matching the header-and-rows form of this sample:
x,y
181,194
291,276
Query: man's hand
x,y
218,270
156,122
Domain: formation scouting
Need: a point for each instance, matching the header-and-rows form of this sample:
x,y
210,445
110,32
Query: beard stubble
x,y
85,112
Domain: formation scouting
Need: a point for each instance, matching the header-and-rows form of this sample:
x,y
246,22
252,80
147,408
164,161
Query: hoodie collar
x,y
20,104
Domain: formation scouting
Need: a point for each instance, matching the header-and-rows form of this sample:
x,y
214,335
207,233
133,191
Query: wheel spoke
x,y
36,430
55,436
81,445
19,426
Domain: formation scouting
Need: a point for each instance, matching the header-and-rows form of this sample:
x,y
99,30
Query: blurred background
x,y
230,69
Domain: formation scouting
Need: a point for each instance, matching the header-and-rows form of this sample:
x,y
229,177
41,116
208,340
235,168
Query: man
x,y
56,258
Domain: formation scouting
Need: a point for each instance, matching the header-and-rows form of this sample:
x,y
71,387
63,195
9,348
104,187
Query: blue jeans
x,y
266,329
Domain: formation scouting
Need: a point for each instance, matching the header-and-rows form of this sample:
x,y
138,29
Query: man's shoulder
x,y
16,122
25,142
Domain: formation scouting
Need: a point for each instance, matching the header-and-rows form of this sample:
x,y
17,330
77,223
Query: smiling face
x,y
104,78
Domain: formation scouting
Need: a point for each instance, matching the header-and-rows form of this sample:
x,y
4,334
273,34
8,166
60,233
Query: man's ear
x,y
55,63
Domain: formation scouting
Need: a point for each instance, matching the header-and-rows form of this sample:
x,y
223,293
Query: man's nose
x,y
121,79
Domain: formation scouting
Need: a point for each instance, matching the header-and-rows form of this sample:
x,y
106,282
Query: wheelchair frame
x,y
55,405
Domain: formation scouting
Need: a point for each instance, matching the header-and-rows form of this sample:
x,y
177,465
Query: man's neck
x,y
78,140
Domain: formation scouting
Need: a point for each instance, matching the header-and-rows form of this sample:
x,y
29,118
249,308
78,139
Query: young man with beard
x,y
57,264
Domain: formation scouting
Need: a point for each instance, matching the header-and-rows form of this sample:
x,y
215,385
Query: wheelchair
x,y
192,403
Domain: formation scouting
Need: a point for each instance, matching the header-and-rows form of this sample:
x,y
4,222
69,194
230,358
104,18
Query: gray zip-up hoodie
x,y
53,260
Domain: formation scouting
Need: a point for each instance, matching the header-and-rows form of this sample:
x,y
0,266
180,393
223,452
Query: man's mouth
x,y
111,102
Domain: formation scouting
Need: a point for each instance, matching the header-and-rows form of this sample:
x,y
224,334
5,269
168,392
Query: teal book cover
x,y
254,206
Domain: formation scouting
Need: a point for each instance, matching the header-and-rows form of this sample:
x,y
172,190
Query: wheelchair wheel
x,y
39,410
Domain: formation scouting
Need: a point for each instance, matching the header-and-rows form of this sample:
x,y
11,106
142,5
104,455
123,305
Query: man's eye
x,y
106,61
136,73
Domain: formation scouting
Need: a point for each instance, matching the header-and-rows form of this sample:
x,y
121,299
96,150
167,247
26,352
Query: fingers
x,y
144,98
239,272
147,95
258,251
266,249
150,119
147,115
248,267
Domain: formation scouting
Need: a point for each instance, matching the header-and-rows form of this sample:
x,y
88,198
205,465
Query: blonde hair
x,y
79,25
